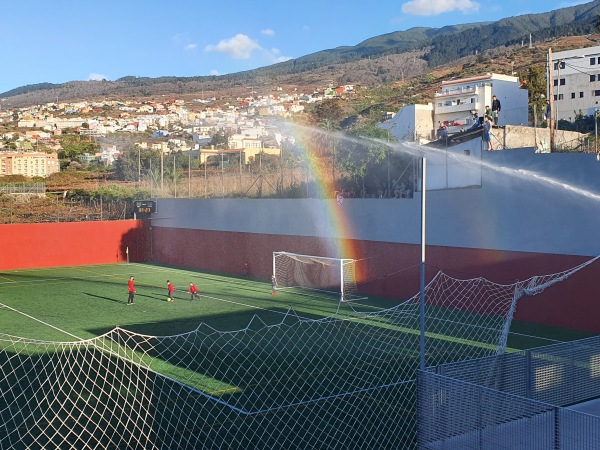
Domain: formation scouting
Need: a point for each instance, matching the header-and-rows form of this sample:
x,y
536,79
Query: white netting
x,y
333,275
345,381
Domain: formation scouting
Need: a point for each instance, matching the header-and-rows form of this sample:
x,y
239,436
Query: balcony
x,y
459,91
457,108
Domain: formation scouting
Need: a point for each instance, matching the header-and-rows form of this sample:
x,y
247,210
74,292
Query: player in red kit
x,y
193,292
131,288
170,290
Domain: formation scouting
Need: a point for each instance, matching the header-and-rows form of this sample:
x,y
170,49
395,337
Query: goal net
x,y
317,273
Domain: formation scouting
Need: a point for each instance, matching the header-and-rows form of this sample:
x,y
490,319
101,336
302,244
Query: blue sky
x,y
64,40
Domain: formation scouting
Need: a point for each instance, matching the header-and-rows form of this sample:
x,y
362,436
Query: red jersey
x,y
170,287
193,289
131,286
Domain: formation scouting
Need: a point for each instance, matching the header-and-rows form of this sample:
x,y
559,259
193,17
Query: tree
x,y
220,140
329,139
536,84
73,146
361,157
329,109
134,161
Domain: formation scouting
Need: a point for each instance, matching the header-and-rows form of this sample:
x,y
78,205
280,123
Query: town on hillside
x,y
489,111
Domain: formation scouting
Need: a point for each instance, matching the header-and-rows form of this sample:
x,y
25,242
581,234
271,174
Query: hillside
x,y
418,86
379,60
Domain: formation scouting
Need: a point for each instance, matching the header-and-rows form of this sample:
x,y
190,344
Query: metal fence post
x,y
556,428
528,374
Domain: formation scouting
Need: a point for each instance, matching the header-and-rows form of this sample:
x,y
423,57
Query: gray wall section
x,y
547,203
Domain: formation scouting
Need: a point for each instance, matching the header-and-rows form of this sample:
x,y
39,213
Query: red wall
x,y
393,270
384,269
72,243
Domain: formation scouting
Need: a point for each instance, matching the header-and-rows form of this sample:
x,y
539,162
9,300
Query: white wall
x,y
510,211
514,102
412,121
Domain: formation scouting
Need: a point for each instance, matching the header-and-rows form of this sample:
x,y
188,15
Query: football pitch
x,y
75,303
237,365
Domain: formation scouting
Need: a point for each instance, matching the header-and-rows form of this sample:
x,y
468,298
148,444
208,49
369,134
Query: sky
x,y
64,40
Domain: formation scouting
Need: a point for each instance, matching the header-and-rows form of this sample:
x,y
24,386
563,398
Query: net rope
x,y
342,381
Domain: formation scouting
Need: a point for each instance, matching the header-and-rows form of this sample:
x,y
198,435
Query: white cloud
x,y
97,77
214,72
239,47
184,41
268,32
435,7
274,56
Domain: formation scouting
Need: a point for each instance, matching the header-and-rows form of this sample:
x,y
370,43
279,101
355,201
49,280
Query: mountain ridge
x,y
408,53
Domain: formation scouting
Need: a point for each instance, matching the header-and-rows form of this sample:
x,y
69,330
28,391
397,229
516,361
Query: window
x,y
581,94
562,81
597,93
592,61
592,77
572,94
556,82
562,65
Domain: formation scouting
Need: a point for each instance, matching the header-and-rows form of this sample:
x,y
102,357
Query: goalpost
x,y
317,273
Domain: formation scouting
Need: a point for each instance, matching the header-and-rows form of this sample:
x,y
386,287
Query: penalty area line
x,y
40,321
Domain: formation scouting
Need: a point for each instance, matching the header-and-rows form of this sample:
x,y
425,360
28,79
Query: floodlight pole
x,y
422,281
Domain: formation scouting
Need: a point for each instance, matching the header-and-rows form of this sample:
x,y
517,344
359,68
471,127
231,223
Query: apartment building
x,y
456,105
30,164
459,100
575,82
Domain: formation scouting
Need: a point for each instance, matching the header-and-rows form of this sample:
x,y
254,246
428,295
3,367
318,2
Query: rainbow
x,y
332,221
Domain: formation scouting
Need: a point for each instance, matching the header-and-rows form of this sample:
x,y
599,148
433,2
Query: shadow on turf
x,y
124,300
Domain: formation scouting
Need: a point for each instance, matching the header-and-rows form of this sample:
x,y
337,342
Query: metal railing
x,y
513,401
23,188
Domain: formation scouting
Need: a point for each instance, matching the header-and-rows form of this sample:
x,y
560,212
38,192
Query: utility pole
x,y
551,97
162,172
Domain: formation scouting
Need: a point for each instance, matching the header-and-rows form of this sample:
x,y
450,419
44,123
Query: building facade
x,y
459,100
575,82
412,123
456,106
30,164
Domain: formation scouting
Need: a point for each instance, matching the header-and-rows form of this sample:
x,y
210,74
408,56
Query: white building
x,y
576,82
455,106
412,123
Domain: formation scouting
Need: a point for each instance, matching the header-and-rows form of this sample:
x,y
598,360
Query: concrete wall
x,y
27,246
515,226
411,123
514,102
393,270
538,138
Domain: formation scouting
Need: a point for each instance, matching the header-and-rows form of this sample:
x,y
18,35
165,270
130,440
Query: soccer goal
x,y
316,273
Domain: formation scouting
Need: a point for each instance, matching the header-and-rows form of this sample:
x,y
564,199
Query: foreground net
x,y
338,382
